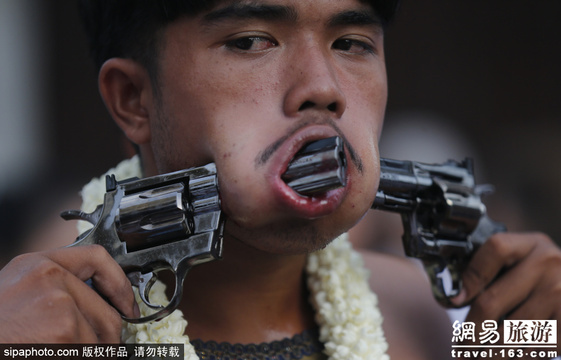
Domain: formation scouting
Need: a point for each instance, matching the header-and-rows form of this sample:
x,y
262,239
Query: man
x,y
246,84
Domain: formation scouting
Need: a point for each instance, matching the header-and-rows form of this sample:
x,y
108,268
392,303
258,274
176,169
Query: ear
x,y
126,89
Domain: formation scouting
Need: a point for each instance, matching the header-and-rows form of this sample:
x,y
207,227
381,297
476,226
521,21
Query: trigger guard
x,y
144,283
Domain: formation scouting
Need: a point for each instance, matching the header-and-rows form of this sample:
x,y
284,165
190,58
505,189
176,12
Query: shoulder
x,y
416,327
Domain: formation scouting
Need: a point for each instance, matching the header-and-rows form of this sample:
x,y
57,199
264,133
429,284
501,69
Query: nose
x,y
314,84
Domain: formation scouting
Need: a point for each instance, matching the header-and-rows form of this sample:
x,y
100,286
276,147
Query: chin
x,y
295,236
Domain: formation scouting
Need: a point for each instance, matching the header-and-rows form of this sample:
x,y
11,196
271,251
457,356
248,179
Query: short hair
x,y
131,28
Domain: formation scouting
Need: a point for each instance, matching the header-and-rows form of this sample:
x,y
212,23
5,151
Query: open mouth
x,y
313,182
320,166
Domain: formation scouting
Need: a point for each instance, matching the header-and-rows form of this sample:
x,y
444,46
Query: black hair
x,y
131,28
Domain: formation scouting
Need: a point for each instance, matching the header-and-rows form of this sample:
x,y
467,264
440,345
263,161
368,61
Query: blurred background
x,y
478,78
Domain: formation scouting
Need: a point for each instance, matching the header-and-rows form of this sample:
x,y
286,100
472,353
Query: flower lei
x,y
349,320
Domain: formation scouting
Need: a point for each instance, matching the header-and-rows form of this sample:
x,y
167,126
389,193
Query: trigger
x,y
144,283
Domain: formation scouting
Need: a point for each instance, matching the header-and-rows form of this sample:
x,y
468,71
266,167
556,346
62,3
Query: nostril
x,y
306,105
310,105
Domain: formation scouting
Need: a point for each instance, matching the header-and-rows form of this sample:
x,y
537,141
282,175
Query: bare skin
x,y
247,91
45,299
303,76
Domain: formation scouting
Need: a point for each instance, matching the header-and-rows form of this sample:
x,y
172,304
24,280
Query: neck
x,y
248,297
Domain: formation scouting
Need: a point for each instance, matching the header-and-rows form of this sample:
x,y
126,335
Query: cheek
x,y
245,200
178,138
201,120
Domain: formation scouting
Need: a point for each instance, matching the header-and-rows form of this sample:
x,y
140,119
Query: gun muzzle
x,y
318,167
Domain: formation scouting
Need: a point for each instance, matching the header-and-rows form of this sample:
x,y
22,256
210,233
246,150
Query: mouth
x,y
318,167
308,175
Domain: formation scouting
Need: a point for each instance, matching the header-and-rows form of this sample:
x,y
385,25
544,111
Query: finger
x,y
542,304
59,310
104,321
77,329
71,310
500,251
504,295
93,262
86,333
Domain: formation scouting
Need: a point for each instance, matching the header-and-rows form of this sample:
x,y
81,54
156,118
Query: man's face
x,y
249,83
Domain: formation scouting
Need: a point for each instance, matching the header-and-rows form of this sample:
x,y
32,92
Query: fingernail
x,y
459,299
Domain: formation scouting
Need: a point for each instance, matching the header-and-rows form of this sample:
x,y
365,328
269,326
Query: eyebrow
x,y
283,13
356,18
246,11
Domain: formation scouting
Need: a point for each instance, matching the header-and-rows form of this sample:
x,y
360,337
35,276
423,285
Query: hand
x,y
43,297
513,276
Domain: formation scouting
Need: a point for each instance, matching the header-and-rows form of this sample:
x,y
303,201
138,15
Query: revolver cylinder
x,y
318,167
444,219
166,222
154,217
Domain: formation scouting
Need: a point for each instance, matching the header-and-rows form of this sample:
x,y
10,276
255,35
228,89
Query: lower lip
x,y
308,207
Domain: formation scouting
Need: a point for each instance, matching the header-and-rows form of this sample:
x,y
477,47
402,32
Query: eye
x,y
251,43
353,46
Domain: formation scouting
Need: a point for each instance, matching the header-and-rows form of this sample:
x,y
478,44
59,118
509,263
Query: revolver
x,y
443,217
165,222
174,221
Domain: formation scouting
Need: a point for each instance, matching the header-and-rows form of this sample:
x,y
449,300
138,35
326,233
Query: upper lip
x,y
303,206
297,141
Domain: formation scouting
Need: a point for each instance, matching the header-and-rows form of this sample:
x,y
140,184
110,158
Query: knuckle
x,y
98,252
546,253
63,313
552,261
49,270
499,245
115,323
39,270
124,285
66,330
62,300
486,304
473,276
30,263
542,238
117,285
22,259
64,334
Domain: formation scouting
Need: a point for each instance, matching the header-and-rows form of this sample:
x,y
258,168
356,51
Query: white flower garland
x,y
346,309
